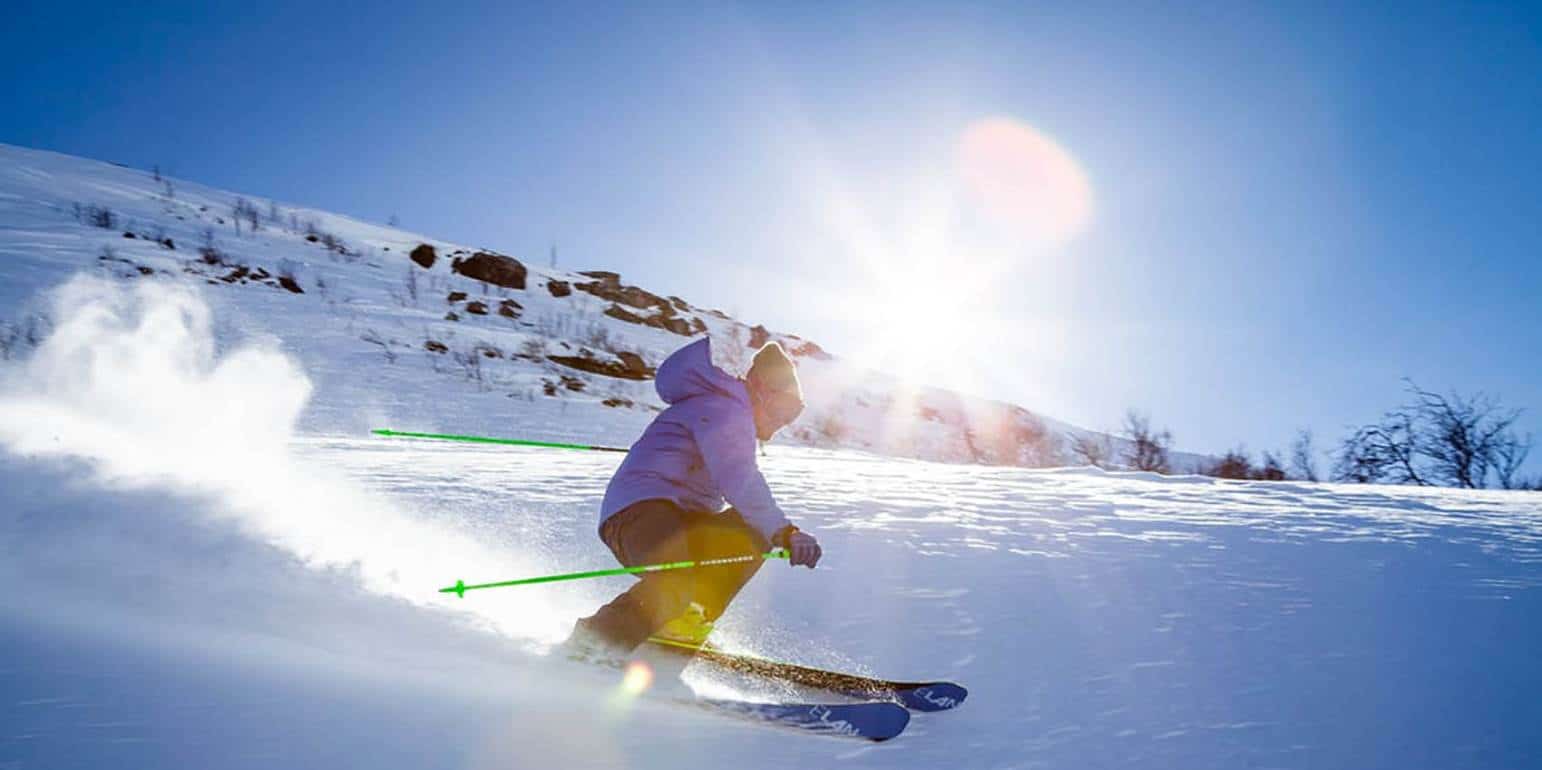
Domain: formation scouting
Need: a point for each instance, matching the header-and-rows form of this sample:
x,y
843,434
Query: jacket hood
x,y
689,371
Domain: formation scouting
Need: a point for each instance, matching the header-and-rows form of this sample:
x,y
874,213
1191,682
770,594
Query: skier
x,y
666,501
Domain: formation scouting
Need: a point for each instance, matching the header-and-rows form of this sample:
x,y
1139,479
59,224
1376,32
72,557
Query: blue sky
x,y
1293,206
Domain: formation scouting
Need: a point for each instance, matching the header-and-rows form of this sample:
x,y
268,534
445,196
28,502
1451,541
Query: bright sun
x,y
933,297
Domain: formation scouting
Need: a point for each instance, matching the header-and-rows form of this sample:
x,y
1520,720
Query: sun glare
x,y
1025,181
933,290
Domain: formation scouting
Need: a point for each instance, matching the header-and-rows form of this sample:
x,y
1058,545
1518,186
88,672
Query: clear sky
x,y
1241,219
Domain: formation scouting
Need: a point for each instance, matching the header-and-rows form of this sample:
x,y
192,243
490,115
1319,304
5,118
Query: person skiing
x,y
666,502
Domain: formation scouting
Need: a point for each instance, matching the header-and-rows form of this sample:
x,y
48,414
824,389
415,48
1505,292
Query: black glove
x,y
802,548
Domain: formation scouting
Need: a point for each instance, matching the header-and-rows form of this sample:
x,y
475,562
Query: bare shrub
x,y
95,216
1270,468
245,212
1235,464
410,284
1434,439
1509,454
1096,450
470,364
1303,458
1148,449
596,335
533,348
1463,436
332,243
1382,452
10,340
554,325
374,338
208,252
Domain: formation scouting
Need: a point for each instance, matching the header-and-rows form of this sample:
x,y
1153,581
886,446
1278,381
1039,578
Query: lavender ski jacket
x,y
699,451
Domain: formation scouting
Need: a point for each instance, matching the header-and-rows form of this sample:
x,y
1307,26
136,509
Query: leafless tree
x,y
1092,449
1384,452
1148,449
246,210
1510,453
1462,435
1270,468
1303,458
1436,439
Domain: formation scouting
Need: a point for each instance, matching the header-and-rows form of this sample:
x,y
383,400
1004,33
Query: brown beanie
x,y
773,371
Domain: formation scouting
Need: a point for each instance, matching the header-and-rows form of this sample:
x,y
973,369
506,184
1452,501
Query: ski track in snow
x,y
1110,617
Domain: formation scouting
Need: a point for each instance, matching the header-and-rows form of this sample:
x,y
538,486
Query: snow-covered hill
x,y
451,335
208,563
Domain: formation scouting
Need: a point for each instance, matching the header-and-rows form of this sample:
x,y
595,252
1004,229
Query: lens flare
x,y
637,678
1024,180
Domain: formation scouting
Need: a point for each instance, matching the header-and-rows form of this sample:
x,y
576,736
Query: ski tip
x,y
887,723
934,696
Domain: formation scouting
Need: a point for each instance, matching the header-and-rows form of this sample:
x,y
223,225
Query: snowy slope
x,y
365,306
209,565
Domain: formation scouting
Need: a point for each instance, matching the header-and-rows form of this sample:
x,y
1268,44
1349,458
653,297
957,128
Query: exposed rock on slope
x,y
495,269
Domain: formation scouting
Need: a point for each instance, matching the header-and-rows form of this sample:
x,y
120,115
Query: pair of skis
x,y
882,715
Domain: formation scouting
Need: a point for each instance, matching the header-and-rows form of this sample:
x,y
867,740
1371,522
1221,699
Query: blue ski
x,y
873,720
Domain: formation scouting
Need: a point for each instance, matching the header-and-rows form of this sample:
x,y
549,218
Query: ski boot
x,y
690,629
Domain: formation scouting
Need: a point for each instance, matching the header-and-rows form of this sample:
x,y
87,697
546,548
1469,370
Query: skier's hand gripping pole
x,y
802,548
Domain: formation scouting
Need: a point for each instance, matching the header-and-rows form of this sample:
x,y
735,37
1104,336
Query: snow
x,y
374,291
210,563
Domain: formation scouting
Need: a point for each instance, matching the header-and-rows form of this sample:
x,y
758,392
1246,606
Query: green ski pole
x,y
489,440
460,588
